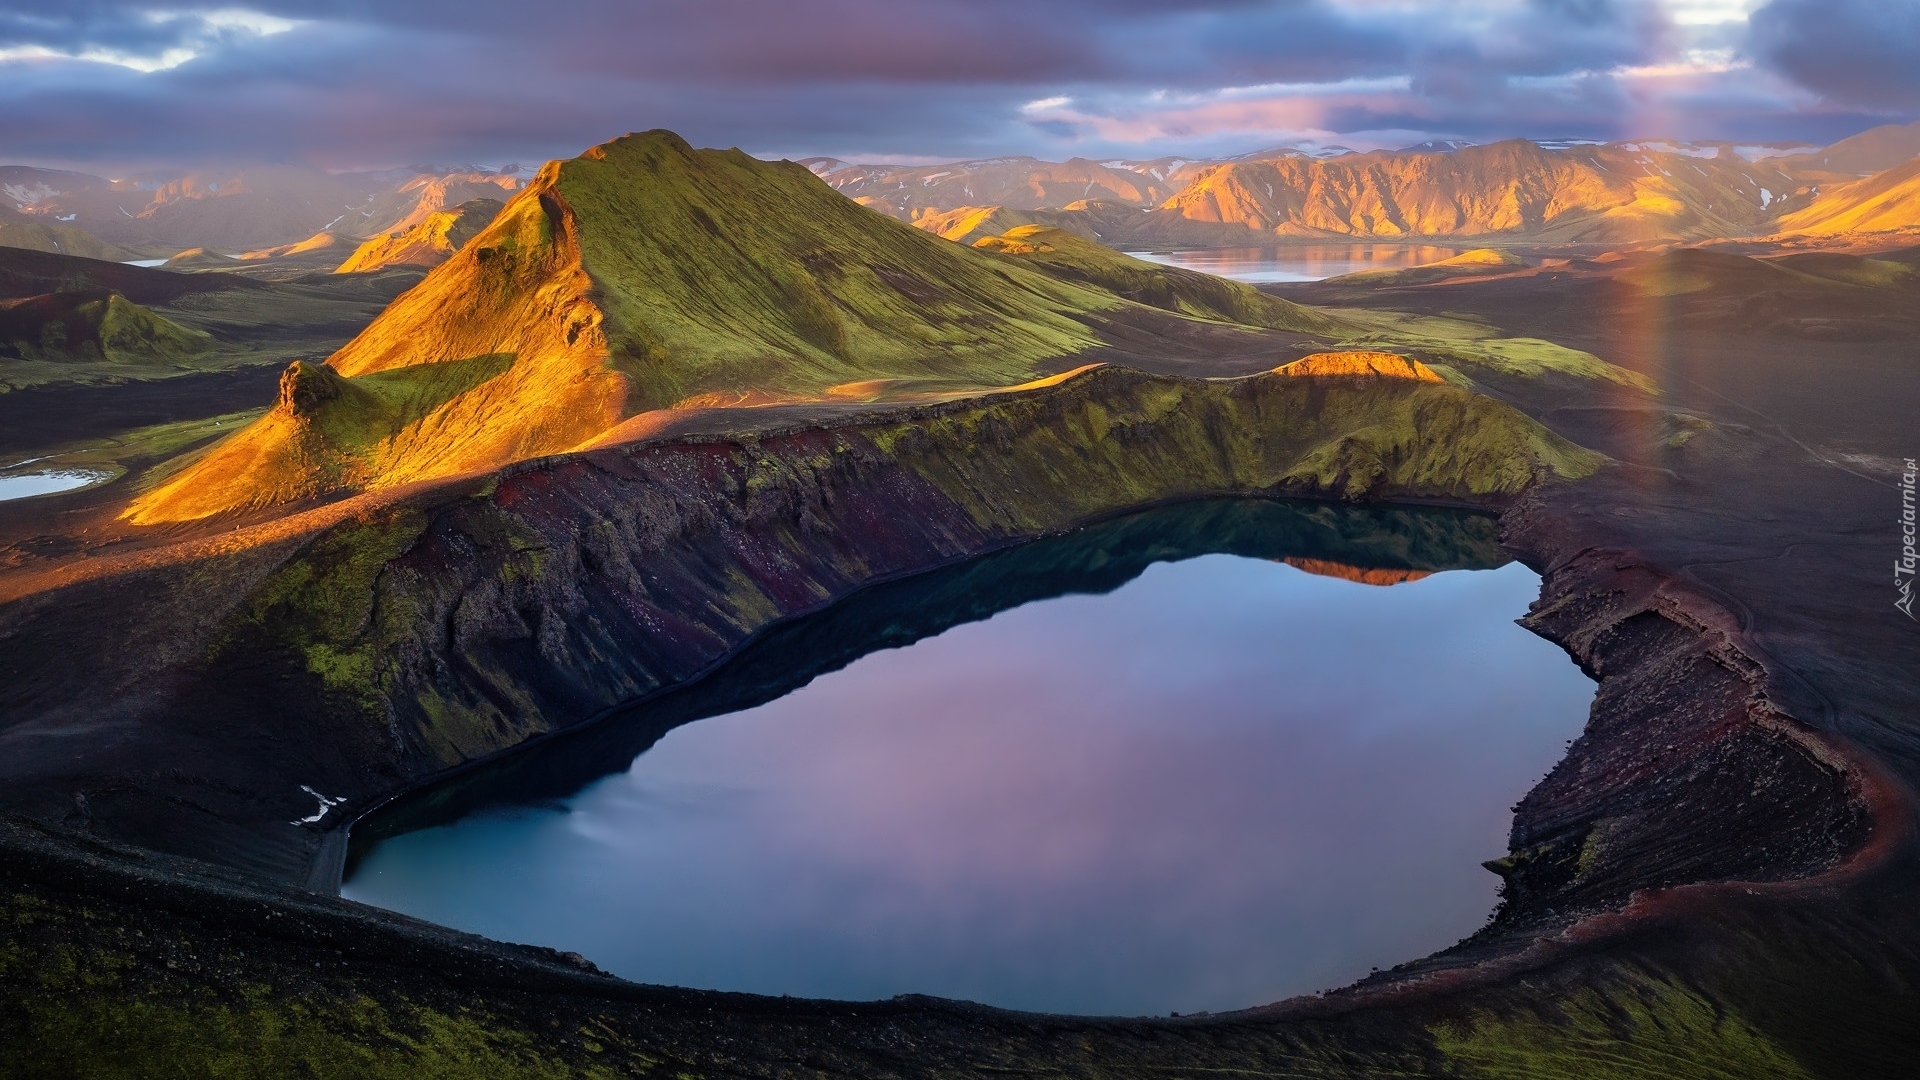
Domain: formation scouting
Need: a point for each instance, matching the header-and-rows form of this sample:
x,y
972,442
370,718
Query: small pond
x,y
26,485
1196,759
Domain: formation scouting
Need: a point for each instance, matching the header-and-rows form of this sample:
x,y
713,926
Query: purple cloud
x,y
351,83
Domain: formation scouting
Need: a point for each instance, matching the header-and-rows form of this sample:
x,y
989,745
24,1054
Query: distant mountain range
x,y
293,220
228,211
1549,191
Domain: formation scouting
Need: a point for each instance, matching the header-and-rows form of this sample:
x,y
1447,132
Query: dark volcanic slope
x,y
30,273
1729,983
1757,722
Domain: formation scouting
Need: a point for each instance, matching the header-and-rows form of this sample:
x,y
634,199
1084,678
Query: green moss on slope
x,y
93,326
326,432
721,272
1113,438
320,604
99,1010
1644,1029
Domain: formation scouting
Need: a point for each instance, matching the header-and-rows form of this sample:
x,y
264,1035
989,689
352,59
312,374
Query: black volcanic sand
x,y
36,420
1755,507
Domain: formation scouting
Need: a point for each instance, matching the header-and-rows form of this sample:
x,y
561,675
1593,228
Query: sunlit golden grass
x,y
428,242
1366,365
1886,202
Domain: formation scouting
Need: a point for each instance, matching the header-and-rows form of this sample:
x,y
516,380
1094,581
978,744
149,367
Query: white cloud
x,y
255,22
1045,105
1710,12
167,58
1694,62
204,30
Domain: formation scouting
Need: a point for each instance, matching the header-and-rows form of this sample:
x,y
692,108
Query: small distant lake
x,y
27,485
1299,262
146,263
1198,759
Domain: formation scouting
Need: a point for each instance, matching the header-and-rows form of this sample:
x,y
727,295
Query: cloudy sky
x,y
363,83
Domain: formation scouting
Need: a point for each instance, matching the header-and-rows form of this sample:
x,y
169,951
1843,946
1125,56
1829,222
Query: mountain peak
x,y
642,275
651,141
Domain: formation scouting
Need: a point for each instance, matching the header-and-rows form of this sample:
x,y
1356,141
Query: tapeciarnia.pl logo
x,y
1903,567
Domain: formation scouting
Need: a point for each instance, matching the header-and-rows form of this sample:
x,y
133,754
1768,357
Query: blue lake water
x,y
1151,778
26,485
1300,262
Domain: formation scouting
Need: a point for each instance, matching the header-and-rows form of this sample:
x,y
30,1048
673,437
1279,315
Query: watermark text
x,y
1903,567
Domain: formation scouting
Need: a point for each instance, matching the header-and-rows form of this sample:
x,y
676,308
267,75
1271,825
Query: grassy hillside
x,y
1888,202
967,224
93,326
245,322
200,259
646,273
18,230
1063,255
754,273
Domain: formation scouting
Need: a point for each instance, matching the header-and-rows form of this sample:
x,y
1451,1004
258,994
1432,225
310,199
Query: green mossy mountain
x,y
646,274
750,274
93,325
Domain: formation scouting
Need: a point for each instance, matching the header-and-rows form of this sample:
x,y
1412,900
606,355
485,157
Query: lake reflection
x,y
1300,262
1223,782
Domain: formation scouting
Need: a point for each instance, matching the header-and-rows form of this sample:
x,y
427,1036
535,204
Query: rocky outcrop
x,y
1360,365
1687,771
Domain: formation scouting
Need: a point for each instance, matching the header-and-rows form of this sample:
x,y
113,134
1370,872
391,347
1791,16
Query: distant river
x,y
1143,768
1299,262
